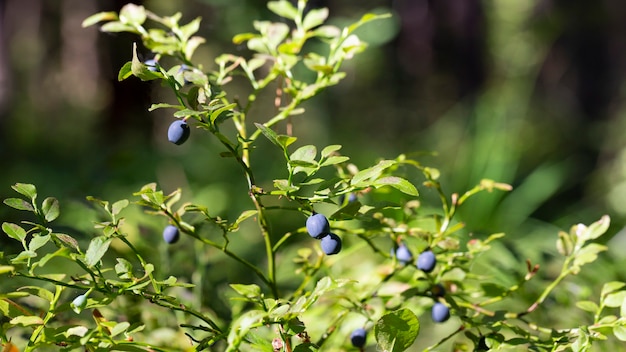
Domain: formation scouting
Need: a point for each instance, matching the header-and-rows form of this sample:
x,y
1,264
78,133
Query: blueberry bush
x,y
72,295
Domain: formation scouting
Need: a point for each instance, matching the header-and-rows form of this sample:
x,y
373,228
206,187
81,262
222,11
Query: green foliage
x,y
314,303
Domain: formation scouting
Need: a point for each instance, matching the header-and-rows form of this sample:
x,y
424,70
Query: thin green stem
x,y
442,341
156,287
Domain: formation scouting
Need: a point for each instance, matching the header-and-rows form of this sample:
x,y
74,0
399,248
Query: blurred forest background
x,y
525,92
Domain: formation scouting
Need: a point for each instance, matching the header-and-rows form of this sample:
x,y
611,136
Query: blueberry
x,y
358,337
171,234
317,225
403,254
178,132
440,312
152,64
331,244
426,261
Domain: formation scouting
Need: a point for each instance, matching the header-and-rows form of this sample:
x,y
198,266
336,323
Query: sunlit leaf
x,y
14,231
50,209
283,8
25,189
396,331
19,204
96,250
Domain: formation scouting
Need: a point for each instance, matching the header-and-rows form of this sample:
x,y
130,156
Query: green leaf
x,y
37,242
26,320
564,244
303,164
6,269
397,331
39,292
23,257
249,291
615,299
242,325
314,18
26,189
328,150
217,112
243,37
125,71
190,29
4,307
588,254
14,231
587,306
67,239
61,252
620,332
140,70
99,17
19,204
96,250
283,185
50,209
334,160
124,268
118,206
365,19
283,8
245,215
371,172
117,26
285,140
398,183
598,228
611,287
119,328
306,347
133,14
192,44
269,134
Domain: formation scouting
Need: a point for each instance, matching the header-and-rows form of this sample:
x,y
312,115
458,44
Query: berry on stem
x,y
426,261
358,337
331,244
178,132
403,254
171,234
440,312
317,225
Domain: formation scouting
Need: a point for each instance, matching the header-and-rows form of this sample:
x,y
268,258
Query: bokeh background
x,y
529,93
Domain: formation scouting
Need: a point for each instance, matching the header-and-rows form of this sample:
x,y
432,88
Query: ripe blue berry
x,y
426,261
317,225
171,234
403,254
178,132
358,337
331,244
440,312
